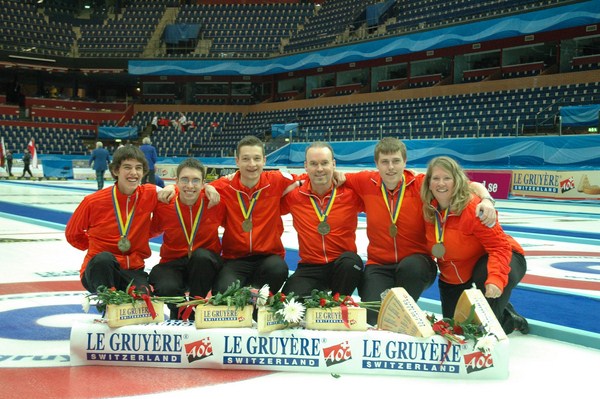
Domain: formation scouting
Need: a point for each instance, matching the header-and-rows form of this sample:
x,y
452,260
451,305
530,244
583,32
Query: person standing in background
x,y
99,160
9,161
26,163
151,156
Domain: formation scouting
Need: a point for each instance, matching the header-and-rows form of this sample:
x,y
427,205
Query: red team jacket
x,y
94,225
267,227
466,240
166,220
315,248
383,249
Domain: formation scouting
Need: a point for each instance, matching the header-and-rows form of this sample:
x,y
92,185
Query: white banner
x,y
177,344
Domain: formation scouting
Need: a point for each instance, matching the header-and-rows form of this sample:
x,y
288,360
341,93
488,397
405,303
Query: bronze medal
x,y
124,245
438,250
393,230
247,225
323,228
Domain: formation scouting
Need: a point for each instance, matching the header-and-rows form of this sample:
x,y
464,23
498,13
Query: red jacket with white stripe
x,y
383,249
267,227
315,248
165,220
94,226
466,240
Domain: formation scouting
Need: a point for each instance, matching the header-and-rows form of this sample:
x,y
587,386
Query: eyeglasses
x,y
186,181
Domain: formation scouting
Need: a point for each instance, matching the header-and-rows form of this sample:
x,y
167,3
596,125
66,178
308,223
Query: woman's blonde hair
x,y
461,194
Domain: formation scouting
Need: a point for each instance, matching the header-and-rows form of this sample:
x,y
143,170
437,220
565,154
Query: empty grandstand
x,y
341,70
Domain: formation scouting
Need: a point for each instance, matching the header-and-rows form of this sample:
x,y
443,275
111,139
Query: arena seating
x,y
23,29
227,30
125,37
246,29
485,114
418,14
262,30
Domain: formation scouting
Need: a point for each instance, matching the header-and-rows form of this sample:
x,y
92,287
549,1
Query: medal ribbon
x,y
247,212
192,234
396,212
440,225
123,227
322,215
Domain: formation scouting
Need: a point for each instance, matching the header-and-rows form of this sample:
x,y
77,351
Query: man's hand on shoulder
x,y
212,194
166,194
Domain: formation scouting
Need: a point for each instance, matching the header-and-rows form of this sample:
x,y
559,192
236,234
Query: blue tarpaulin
x,y
58,168
111,133
582,115
176,33
375,11
281,129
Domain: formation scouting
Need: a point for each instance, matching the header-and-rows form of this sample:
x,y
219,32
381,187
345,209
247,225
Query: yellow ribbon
x,y
396,212
322,215
192,234
247,212
440,225
123,227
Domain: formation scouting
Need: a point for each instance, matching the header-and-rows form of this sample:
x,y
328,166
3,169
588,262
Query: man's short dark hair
x,y
125,153
192,163
250,141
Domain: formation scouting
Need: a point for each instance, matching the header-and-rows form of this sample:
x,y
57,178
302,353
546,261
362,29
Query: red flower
x,y
336,297
131,290
440,326
283,297
323,302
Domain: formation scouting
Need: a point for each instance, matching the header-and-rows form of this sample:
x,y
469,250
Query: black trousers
x,y
103,269
254,271
343,276
100,178
27,169
450,293
415,273
194,275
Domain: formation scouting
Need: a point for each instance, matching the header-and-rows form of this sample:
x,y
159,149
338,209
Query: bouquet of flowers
x,y
234,295
286,308
323,299
105,296
461,332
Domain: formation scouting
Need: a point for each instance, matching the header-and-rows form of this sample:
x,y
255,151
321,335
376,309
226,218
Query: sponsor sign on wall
x,y
497,183
584,184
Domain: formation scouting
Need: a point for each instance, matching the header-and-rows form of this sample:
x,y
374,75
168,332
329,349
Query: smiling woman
x,y
468,252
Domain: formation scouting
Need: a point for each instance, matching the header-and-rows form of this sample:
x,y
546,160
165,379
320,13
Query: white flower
x,y
292,311
263,295
85,304
486,344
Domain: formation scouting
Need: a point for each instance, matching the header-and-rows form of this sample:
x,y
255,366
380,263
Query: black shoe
x,y
520,322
